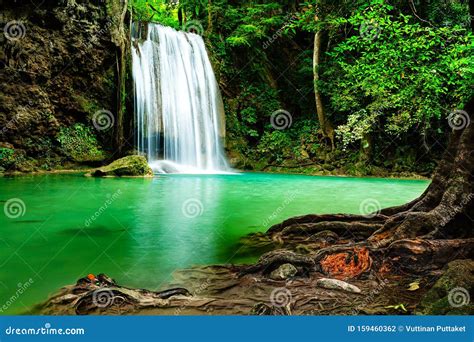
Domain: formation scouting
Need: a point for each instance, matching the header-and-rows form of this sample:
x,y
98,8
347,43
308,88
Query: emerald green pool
x,y
144,229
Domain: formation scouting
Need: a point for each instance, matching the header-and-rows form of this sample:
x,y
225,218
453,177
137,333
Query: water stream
x,y
178,107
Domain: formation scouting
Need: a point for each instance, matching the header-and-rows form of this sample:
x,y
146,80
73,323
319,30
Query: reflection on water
x,y
140,230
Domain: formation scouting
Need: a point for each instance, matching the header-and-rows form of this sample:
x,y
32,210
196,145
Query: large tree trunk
x,y
326,127
426,233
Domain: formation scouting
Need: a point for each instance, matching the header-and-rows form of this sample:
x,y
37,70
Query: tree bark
x,y
326,127
425,233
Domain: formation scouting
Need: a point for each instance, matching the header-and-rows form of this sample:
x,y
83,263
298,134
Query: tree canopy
x,y
389,71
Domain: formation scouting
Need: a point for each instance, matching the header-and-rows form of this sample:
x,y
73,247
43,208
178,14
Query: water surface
x,y
140,230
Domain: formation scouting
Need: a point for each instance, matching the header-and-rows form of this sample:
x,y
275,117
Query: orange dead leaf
x,y
347,265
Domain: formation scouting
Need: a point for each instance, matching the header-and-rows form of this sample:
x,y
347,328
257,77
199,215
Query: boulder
x,y
130,166
283,272
452,292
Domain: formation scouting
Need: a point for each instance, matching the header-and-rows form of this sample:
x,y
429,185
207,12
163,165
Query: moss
x,y
457,281
79,144
127,166
87,105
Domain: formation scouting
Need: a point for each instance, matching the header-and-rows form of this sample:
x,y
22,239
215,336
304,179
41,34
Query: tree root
x,y
102,294
314,219
420,255
272,260
357,230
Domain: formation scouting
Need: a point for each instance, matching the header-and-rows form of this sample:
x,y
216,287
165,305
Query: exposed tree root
x,y
271,260
383,254
102,294
420,255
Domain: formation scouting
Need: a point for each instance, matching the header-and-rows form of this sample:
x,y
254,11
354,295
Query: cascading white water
x,y
178,108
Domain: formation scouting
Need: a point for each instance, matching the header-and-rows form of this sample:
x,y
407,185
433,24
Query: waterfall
x,y
179,113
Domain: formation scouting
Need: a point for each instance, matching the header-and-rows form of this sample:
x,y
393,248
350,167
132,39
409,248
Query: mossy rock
x,y
452,292
130,166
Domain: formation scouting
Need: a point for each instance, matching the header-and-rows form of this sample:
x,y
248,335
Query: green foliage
x,y
297,143
253,23
159,11
14,159
254,104
389,74
449,13
395,74
6,157
79,143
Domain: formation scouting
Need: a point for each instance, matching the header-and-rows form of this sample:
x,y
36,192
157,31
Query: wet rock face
x,y
57,68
